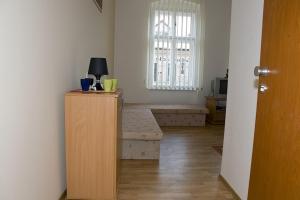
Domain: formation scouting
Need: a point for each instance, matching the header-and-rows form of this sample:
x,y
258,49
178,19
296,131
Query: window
x,y
174,45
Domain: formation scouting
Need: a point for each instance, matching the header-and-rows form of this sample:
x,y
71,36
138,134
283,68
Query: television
x,y
220,87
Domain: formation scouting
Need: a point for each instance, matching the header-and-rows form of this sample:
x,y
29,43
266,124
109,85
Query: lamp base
x,y
98,86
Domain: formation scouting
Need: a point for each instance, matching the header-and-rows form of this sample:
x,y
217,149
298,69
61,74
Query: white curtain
x,y
176,44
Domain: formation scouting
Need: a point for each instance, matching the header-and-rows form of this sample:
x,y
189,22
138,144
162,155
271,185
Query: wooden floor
x,y
188,169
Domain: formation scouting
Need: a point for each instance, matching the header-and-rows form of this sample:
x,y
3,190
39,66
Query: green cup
x,y
114,84
108,83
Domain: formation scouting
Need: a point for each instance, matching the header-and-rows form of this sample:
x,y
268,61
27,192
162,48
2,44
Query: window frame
x,y
174,39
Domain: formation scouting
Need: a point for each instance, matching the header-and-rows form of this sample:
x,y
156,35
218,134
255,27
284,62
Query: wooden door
x,y
275,172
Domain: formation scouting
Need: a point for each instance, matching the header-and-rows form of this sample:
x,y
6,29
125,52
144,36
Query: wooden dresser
x,y
93,128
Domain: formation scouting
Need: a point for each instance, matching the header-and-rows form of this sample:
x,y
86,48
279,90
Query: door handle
x,y
261,71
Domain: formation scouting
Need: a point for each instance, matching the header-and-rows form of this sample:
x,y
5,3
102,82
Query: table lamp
x,y
98,68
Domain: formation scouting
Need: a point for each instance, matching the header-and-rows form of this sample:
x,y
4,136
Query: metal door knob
x,y
261,71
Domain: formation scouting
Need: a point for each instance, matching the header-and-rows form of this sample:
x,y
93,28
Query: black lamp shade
x,y
98,67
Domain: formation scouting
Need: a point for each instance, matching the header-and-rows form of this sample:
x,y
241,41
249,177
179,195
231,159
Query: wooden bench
x,y
141,135
175,115
141,132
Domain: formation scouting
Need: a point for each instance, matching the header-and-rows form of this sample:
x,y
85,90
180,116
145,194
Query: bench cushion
x,y
140,124
170,109
140,149
175,115
180,119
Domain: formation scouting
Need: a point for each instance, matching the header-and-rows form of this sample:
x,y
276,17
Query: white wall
x,y
245,42
131,51
45,45
216,61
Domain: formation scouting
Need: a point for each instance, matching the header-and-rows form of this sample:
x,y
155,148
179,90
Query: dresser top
x,y
79,92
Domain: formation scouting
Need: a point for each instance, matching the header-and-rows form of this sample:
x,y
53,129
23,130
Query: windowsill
x,y
175,90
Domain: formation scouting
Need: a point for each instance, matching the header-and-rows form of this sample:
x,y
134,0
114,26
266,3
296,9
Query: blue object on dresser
x,y
85,84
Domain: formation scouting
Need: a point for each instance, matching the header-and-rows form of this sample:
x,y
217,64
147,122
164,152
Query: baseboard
x,y
227,184
63,195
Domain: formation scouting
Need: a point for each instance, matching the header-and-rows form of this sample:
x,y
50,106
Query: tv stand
x,y
217,109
